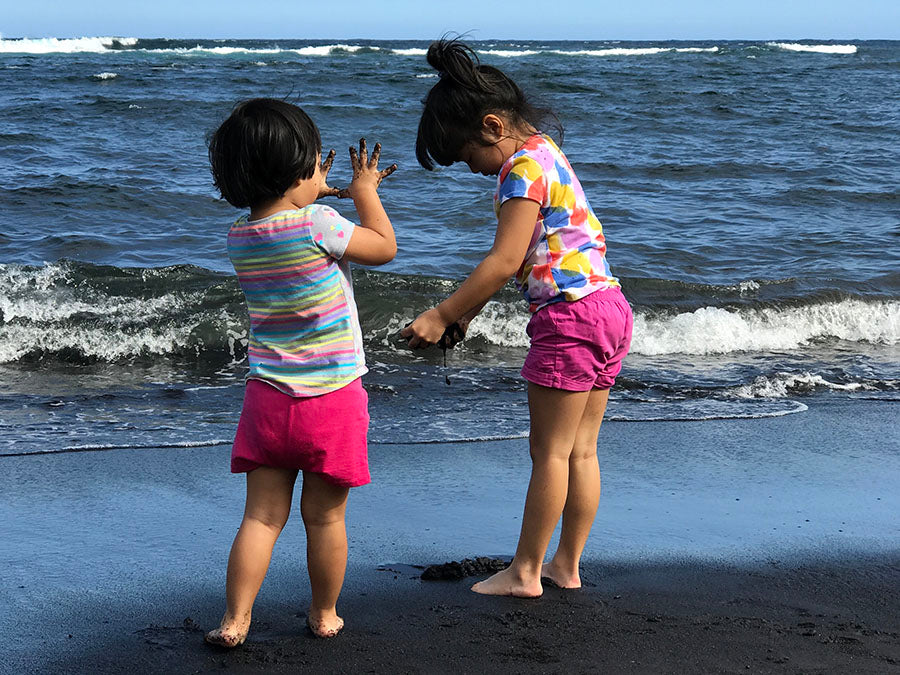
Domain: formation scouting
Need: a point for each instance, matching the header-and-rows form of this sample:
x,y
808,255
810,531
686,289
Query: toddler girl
x,y
549,239
304,406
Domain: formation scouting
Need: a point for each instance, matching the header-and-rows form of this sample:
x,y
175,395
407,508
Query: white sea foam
x,y
111,342
221,51
501,324
102,44
63,45
105,76
783,385
41,311
715,330
43,295
414,51
700,410
107,345
326,50
93,447
634,51
507,53
615,51
820,49
313,50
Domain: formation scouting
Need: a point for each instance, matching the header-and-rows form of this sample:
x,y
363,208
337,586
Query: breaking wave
x,y
290,47
65,45
77,311
819,49
720,330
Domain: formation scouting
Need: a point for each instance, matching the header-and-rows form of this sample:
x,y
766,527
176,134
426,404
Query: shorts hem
x,y
246,466
557,381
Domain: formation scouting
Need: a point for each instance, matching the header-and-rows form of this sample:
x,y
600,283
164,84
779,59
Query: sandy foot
x,y
560,579
325,628
229,638
508,582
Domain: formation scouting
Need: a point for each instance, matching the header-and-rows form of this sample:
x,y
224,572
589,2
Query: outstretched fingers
x,y
363,153
365,167
387,172
329,160
326,190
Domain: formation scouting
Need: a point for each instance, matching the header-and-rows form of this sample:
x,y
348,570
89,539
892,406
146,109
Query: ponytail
x,y
465,93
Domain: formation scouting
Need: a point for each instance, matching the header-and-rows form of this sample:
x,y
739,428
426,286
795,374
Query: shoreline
x,y
771,544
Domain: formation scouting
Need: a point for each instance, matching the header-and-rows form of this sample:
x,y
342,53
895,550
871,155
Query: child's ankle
x,y
322,613
525,571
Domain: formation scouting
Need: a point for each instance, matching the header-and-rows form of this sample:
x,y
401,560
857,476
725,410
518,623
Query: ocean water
x,y
748,191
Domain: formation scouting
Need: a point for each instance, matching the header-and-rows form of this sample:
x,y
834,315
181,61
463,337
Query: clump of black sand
x,y
467,567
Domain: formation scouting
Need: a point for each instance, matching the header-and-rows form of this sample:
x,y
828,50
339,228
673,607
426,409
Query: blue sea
x,y
748,192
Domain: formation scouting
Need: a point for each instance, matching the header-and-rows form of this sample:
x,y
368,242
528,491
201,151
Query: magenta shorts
x,y
579,345
324,434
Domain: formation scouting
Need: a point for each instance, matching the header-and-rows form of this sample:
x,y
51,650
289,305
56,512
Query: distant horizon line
x,y
431,39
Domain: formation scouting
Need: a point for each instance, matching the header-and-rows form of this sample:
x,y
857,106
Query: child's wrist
x,y
363,189
445,316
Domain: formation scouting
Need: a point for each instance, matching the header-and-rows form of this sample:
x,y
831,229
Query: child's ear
x,y
492,127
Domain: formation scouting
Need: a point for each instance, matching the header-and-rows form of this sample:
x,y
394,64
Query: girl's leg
x,y
555,417
323,506
269,494
583,498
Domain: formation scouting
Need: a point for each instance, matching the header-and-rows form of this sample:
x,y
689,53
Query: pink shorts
x,y
579,345
324,434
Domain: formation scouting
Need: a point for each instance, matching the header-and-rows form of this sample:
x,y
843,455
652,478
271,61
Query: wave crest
x,y
110,313
717,330
818,49
64,45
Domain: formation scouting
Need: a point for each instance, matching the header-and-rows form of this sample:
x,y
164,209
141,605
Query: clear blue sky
x,y
577,19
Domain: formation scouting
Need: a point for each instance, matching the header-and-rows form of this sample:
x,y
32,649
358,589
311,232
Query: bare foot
x,y
560,579
325,627
508,582
229,635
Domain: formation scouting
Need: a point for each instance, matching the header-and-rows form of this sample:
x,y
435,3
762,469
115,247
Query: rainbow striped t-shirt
x,y
566,259
305,338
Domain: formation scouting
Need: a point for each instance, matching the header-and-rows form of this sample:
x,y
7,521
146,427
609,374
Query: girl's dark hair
x,y
263,147
466,92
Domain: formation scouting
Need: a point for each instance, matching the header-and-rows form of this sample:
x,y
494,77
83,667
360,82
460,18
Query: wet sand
x,y
733,546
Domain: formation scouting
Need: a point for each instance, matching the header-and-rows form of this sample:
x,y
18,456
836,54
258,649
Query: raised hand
x,y
324,189
365,170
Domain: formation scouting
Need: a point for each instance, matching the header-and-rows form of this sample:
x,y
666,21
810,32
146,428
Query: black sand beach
x,y
734,546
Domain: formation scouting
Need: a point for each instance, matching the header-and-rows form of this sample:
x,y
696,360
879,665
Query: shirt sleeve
x,y
330,231
525,178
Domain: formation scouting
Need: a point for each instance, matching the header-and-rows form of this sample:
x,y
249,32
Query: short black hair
x,y
263,147
466,92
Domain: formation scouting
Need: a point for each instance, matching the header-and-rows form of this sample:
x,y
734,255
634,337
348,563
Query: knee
x,y
583,452
314,516
272,519
549,455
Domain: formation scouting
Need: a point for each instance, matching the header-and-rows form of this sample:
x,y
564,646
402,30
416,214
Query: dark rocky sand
x,y
721,547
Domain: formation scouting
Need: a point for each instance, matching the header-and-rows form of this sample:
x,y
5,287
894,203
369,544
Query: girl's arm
x,y
515,228
373,242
